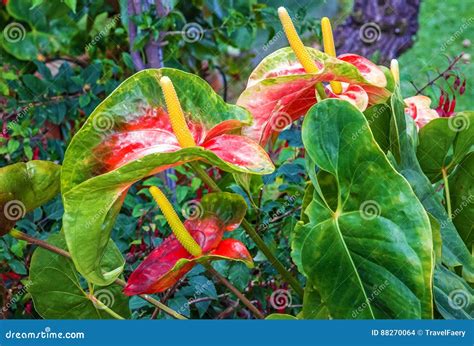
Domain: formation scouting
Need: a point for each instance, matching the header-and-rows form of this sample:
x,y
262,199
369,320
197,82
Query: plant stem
x,y
234,290
104,307
446,191
253,234
156,303
22,236
440,74
321,92
272,258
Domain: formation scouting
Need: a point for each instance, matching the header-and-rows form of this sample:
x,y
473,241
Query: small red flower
x,y
172,259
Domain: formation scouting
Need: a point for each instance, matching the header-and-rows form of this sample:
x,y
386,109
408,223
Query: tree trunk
x,y
379,29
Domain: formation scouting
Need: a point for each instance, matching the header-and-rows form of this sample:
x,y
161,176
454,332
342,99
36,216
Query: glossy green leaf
x,y
24,187
461,188
368,258
58,291
454,298
403,146
444,142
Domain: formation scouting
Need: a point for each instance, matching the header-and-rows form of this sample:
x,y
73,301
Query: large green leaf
x,y
444,142
116,147
403,146
24,187
453,296
372,255
58,292
461,187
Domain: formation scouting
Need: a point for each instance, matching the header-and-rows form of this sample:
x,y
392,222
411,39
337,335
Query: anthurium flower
x,y
282,87
156,119
197,240
418,107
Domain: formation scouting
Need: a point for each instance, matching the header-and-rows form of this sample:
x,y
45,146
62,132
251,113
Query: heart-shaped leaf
x,y
58,292
365,256
129,137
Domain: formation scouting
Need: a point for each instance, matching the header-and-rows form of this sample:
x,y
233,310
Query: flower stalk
x,y
176,114
180,232
330,49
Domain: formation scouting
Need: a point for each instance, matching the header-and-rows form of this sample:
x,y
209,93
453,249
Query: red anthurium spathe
x,y
197,240
282,87
418,107
154,120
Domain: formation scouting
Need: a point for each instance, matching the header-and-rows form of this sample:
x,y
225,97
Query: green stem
x,y
446,191
22,236
253,234
321,91
105,308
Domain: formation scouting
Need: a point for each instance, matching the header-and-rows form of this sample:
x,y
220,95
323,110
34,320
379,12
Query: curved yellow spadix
x,y
180,232
175,112
330,49
295,42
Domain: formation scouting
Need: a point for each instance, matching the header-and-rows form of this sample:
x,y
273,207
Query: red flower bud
x,y
446,105
441,99
457,82
452,106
